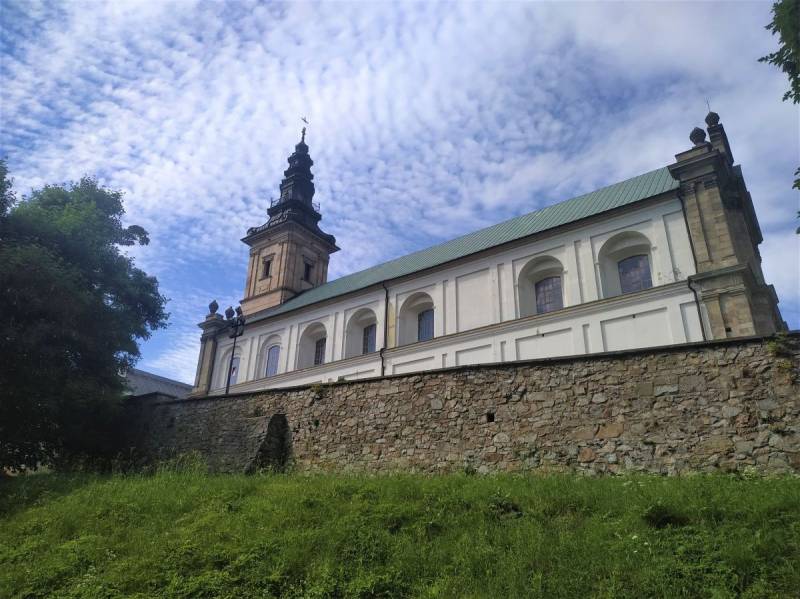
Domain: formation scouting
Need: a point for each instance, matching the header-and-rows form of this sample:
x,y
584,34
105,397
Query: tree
x,y
7,196
73,310
786,23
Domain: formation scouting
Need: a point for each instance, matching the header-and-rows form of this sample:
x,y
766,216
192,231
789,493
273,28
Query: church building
x,y
667,257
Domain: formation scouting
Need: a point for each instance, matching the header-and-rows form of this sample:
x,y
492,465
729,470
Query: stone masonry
x,y
723,405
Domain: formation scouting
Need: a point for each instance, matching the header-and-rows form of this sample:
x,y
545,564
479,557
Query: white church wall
x,y
477,312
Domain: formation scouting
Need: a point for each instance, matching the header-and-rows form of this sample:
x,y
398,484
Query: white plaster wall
x,y
476,309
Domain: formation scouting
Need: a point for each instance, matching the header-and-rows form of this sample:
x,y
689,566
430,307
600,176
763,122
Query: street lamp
x,y
235,321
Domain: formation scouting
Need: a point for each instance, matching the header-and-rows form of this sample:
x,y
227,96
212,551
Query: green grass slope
x,y
190,534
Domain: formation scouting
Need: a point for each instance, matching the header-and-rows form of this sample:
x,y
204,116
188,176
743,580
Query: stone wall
x,y
724,405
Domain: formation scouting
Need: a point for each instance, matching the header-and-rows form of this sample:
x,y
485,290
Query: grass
x,y
191,534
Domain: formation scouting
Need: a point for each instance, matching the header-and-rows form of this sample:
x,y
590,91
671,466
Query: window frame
x,y
544,307
369,338
277,360
308,270
319,351
232,368
422,316
639,286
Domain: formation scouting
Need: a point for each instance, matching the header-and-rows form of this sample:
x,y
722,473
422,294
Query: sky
x,y
427,121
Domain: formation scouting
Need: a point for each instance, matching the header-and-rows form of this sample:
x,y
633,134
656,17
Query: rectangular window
x,y
319,352
234,366
368,341
548,295
266,269
634,274
425,325
308,268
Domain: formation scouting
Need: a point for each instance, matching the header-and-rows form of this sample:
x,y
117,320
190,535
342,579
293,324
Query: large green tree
x,y
786,25
72,310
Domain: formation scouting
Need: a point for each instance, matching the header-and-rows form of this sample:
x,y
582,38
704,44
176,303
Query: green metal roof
x,y
614,196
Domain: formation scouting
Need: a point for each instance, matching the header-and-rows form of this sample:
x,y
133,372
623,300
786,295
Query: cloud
x,y
428,120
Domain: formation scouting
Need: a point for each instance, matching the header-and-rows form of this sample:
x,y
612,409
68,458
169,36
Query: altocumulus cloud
x,y
428,120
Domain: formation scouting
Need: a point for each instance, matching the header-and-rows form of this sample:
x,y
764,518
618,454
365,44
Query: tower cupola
x,y
289,253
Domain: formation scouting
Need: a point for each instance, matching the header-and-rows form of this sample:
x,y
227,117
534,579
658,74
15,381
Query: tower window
x,y
308,268
266,269
634,274
425,325
368,339
319,351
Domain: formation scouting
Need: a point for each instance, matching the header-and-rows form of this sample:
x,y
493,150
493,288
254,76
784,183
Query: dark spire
x,y
297,191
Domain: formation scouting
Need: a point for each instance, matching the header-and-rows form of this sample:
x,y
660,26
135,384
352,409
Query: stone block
x,y
586,454
665,390
730,411
692,384
584,433
611,430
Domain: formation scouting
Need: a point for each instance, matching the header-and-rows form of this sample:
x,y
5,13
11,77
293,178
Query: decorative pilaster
x,y
212,326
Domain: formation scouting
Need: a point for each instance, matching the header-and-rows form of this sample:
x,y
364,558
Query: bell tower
x,y
289,253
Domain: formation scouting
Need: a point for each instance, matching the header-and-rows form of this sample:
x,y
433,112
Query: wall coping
x,y
677,347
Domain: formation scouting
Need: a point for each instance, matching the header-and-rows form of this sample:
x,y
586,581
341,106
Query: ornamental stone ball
x,y
697,136
229,313
712,119
213,307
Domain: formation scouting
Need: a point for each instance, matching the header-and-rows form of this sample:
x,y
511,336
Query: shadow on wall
x,y
276,448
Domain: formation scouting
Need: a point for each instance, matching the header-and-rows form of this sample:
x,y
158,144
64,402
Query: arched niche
x,y
361,333
416,320
312,346
625,263
541,286
269,360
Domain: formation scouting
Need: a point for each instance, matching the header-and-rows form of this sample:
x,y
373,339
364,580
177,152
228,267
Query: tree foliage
x,y
73,310
786,24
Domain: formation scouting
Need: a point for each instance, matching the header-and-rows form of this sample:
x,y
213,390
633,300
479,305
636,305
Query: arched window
x,y
273,357
634,274
311,349
360,335
625,264
540,286
416,322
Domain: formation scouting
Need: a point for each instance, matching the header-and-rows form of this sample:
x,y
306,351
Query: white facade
x,y
485,308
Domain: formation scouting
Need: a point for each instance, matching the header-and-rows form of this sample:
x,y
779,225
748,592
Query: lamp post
x,y
235,320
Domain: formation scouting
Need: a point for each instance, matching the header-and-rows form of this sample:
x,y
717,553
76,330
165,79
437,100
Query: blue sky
x,y
428,120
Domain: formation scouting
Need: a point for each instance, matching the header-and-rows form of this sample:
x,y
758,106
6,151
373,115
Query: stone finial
x,y
697,136
213,307
229,313
712,119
